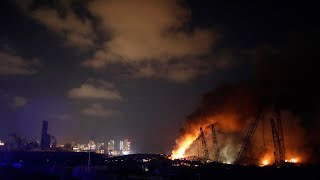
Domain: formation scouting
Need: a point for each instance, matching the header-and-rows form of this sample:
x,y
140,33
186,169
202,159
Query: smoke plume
x,y
286,77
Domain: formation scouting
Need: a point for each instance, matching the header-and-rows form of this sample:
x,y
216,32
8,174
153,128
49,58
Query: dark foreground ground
x,y
68,165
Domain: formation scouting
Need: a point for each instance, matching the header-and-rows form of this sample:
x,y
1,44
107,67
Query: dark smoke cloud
x,y
289,74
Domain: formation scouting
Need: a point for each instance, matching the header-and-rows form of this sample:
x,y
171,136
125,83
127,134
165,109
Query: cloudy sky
x,y
115,69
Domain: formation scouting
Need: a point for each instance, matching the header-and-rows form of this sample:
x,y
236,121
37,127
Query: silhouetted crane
x,y
277,135
282,151
247,140
276,143
215,143
204,146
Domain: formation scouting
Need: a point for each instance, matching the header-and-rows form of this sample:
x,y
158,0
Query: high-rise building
x,y
92,145
126,147
45,137
121,146
111,148
100,148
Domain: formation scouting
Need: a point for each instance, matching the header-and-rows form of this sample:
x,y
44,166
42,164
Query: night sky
x,y
116,69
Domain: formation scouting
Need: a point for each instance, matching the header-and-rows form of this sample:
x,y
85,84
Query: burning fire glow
x,y
265,162
292,160
229,125
183,146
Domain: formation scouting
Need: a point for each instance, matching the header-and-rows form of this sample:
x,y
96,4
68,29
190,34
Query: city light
x,y
102,148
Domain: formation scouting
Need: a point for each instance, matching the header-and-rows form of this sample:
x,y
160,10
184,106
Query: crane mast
x,y
278,140
282,154
276,143
215,143
204,146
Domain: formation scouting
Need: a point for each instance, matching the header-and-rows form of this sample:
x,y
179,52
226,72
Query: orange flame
x,y
229,122
266,159
293,160
179,152
265,162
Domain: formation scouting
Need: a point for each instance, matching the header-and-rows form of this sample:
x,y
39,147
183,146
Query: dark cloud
x,y
60,18
146,35
14,102
98,110
12,64
18,101
95,89
289,73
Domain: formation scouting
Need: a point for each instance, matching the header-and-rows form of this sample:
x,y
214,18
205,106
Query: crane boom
x,y
277,135
248,138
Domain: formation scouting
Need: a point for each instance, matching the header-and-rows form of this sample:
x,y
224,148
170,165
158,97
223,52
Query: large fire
x,y
228,123
283,88
183,146
232,109
267,161
187,144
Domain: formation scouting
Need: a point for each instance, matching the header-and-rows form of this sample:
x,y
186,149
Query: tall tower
x,y
45,137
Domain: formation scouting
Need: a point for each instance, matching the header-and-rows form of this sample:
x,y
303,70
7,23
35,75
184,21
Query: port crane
x,y
277,135
204,145
215,143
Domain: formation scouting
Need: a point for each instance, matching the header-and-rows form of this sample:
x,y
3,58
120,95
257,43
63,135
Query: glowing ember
x,y
226,162
292,160
265,162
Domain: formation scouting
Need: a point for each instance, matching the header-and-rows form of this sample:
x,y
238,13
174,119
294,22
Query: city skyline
x,y
15,143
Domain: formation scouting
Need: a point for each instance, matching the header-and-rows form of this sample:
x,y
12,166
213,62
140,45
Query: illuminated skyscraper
x,y
92,145
121,146
100,148
126,147
111,148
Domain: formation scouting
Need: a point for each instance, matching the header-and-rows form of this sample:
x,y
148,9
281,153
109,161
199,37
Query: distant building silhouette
x,y
45,137
14,142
